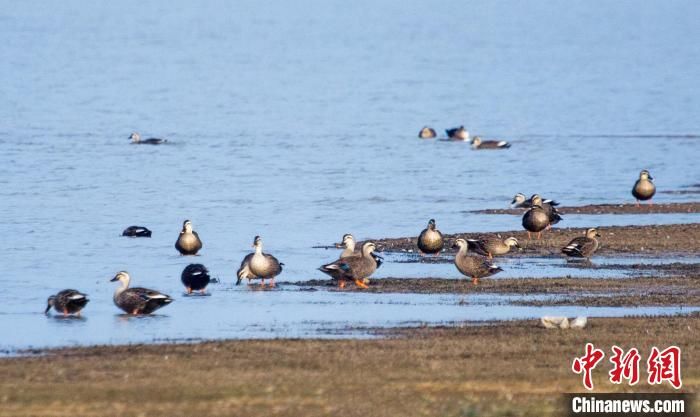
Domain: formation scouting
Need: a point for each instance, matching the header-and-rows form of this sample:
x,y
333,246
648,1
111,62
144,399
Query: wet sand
x,y
614,240
627,208
513,368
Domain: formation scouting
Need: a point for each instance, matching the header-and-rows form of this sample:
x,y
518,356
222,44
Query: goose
x,y
492,246
430,240
136,140
356,267
583,246
67,302
195,277
188,242
458,133
473,266
348,243
644,189
478,143
427,133
136,231
137,300
535,220
259,265
549,208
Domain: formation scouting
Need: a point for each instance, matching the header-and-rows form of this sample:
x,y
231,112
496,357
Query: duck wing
x,y
244,269
579,247
479,246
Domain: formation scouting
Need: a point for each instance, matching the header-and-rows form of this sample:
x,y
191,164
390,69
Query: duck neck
x,y
258,249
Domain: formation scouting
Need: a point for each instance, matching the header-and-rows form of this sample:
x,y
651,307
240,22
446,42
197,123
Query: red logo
x,y
626,366
586,363
665,366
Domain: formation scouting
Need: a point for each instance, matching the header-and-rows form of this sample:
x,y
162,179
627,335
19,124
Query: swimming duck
x,y
137,300
583,246
644,189
473,266
478,143
348,243
188,243
136,140
490,247
259,265
195,277
67,302
548,207
430,239
136,231
535,220
427,133
356,267
520,201
458,133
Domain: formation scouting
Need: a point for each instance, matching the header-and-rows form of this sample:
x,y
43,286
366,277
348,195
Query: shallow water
x,y
297,121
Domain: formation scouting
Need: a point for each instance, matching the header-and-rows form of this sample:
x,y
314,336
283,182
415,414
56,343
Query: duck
x,y
478,143
356,268
136,140
535,220
549,208
188,243
67,302
137,231
430,240
458,133
427,133
195,277
259,265
520,201
492,246
644,189
348,244
583,246
137,300
473,266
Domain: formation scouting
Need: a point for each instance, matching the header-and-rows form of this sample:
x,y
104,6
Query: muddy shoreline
x,y
511,368
615,240
626,208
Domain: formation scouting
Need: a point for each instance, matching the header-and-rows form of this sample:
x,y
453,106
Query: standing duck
x,y
458,133
137,300
644,189
473,266
188,243
478,143
583,246
136,140
427,133
549,207
430,239
136,231
259,265
195,277
67,302
356,267
492,246
535,220
348,243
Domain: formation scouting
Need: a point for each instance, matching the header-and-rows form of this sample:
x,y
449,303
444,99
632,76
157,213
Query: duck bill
x,y
48,307
238,281
114,279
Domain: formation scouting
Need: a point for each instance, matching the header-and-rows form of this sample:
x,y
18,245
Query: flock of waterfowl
x,y
473,257
461,134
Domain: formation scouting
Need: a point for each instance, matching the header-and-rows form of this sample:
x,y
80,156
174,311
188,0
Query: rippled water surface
x,y
297,121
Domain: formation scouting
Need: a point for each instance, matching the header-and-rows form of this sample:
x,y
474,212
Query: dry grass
x,y
514,369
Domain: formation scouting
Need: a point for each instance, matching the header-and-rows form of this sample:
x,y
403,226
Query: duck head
x,y
518,199
347,241
257,242
536,200
592,232
49,303
431,224
476,142
645,175
135,137
368,248
460,244
123,277
187,226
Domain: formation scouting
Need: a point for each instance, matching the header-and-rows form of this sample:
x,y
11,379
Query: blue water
x,y
297,121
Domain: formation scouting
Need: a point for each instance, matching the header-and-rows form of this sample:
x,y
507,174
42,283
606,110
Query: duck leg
x,y
529,235
490,255
475,280
341,283
272,283
360,284
65,312
539,235
189,290
263,283
637,203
